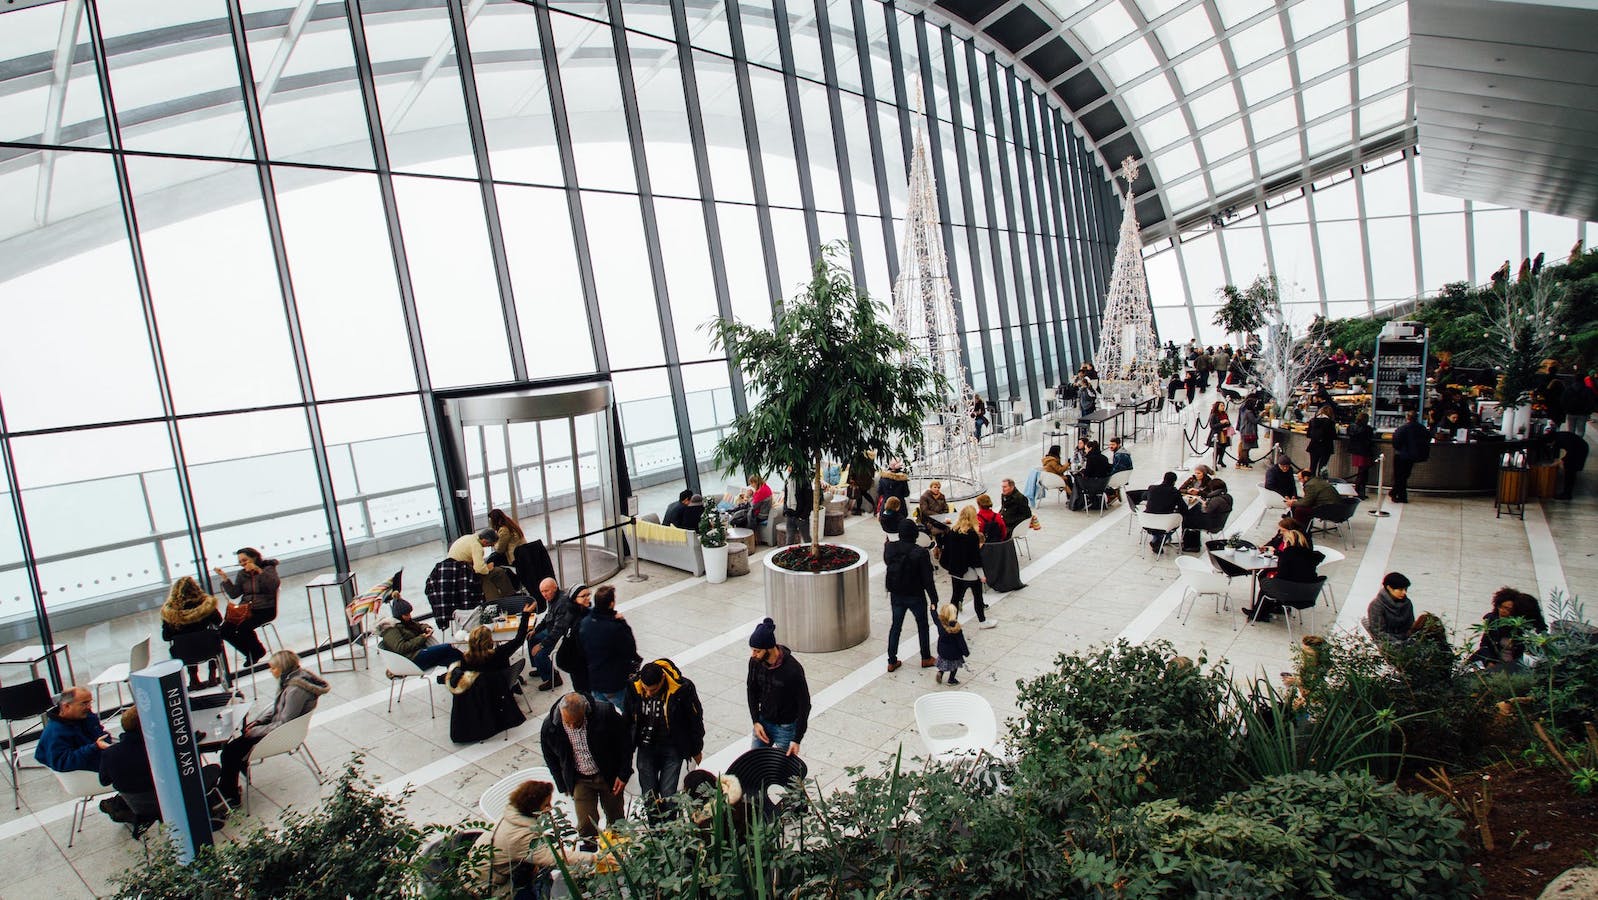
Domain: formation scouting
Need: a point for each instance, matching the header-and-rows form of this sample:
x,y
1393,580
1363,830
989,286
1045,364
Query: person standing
x,y
569,655
909,580
610,648
979,415
1220,432
1322,434
257,588
798,502
1362,451
1248,433
952,647
1412,444
1570,449
507,537
668,726
962,559
587,747
862,475
779,696
469,549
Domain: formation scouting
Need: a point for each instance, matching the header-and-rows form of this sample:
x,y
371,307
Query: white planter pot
x,y
715,564
820,612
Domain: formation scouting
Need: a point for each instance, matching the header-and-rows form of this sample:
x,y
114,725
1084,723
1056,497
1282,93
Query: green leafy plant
x,y
1344,733
1242,310
712,527
830,380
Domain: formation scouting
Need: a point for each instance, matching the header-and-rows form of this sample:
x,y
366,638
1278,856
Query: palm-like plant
x,y
830,382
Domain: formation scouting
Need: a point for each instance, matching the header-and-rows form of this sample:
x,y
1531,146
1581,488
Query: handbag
x,y
237,613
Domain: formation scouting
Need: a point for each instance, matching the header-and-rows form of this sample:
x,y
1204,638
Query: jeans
x,y
617,699
540,662
798,528
958,594
436,655
907,604
781,735
235,762
588,795
659,772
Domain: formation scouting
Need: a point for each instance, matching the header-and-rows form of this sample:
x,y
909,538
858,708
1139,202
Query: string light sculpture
x,y
1128,357
923,310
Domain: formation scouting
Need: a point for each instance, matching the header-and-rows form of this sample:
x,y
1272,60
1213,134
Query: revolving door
x,y
547,456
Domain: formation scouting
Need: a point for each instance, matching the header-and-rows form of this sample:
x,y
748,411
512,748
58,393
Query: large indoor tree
x,y
829,379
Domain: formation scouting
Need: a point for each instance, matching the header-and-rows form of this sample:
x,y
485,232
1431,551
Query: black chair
x,y
1088,488
21,703
763,768
533,565
1293,596
1334,517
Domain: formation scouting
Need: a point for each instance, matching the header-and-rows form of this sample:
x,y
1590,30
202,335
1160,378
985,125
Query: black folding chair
x,y
26,702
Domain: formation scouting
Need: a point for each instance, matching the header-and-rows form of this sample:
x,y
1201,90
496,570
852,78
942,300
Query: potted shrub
x,y
713,543
832,382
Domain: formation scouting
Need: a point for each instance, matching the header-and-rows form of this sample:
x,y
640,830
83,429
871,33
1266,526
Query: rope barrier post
x,y
637,574
1381,495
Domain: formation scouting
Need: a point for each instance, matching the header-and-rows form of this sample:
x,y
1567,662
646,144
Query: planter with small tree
x,y
713,543
831,385
1244,310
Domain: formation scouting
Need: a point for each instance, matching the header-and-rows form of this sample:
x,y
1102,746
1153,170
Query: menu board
x,y
1399,383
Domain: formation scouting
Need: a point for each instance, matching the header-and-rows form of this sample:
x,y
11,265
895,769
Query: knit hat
x,y
400,607
1396,580
765,636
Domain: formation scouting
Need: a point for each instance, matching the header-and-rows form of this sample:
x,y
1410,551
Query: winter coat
x,y
951,644
1014,509
259,591
685,716
799,499
484,703
890,520
513,839
779,695
610,648
1389,618
1322,434
1298,564
297,693
930,505
66,745
405,638
1248,424
609,742
1162,498
962,550
893,484
1361,441
1412,442
1096,465
1053,465
191,626
909,567
993,527
125,765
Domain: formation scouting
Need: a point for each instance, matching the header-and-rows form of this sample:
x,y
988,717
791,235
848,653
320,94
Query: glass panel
x,y
1309,18
657,79
862,169
51,97
1208,66
1213,106
840,17
1442,250
343,268
1548,235
593,104
303,65
710,410
707,25
452,274
1186,32
1164,130
418,89
626,293
1150,95
1245,253
648,424
759,32
1201,258
776,140
389,488
1224,141
724,129
1104,27
214,284
174,76
1295,261
1392,259
544,276
1323,55
688,276
1129,62
1265,82
1381,30
513,92
1256,42
1497,239
92,296
819,147
1345,280
793,250
746,273
1322,99
1177,162
1273,119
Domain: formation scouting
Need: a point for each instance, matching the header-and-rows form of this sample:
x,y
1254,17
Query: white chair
x,y
401,670
1019,536
82,786
1053,482
286,739
1160,523
493,801
138,658
1117,483
1199,578
969,715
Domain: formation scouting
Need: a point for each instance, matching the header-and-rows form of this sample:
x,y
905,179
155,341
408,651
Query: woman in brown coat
x,y
190,623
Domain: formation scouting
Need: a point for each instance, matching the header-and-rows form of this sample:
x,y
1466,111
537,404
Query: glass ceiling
x,y
1227,95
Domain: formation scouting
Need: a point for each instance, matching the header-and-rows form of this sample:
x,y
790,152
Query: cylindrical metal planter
x,y
820,612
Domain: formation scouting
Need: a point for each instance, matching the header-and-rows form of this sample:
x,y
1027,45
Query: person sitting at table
x,y
1279,478
674,507
1161,499
191,625
1295,562
1013,508
990,522
1314,492
481,682
931,505
754,512
469,549
1212,511
687,513
125,767
257,588
297,693
1053,464
73,737
1279,539
892,516
1120,458
522,837
1094,463
1201,483
399,633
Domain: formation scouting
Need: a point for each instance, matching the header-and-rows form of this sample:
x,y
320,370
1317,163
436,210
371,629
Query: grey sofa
x,y
687,556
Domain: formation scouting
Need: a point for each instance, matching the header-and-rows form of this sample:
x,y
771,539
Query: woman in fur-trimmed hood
x,y
190,624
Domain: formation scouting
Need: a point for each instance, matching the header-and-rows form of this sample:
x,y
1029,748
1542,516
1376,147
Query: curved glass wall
x,y
1347,245
245,244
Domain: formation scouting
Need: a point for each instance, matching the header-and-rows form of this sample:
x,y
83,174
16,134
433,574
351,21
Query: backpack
x,y
898,569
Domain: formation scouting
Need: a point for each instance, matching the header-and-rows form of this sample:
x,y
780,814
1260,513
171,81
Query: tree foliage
x,y
1243,310
829,379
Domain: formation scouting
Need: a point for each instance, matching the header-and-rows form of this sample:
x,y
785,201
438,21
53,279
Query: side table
x,y
321,584
744,535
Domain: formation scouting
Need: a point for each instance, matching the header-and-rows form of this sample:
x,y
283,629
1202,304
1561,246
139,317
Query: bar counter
x,y
1454,468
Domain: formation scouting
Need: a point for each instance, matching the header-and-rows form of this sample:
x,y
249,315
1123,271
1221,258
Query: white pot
x,y
715,564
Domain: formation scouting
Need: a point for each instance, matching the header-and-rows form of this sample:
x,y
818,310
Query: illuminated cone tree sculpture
x,y
1128,357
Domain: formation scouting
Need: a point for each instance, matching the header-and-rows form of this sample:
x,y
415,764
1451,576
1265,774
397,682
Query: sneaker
x,y
894,666
988,623
952,679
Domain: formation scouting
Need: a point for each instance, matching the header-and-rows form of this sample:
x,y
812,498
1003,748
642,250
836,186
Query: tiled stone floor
x,y
1088,582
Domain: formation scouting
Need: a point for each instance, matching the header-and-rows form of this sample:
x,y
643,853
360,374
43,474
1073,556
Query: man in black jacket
x,y
668,726
1161,499
541,643
1013,507
610,648
588,748
779,697
1412,443
909,581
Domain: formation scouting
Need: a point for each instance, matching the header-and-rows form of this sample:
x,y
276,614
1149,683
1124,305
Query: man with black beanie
x,y
909,581
779,697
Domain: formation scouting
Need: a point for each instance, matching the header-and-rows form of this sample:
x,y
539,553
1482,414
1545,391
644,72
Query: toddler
x,y
952,649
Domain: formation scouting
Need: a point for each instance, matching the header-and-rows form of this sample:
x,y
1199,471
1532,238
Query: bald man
x,y
73,737
557,617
